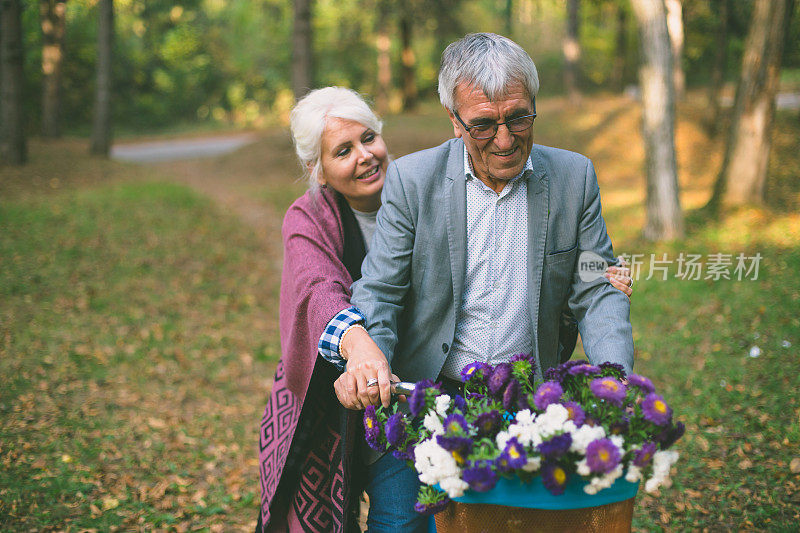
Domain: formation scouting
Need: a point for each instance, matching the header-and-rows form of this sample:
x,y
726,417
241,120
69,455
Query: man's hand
x,y
365,362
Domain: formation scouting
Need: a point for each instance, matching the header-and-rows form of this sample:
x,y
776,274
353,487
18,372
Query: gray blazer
x,y
413,276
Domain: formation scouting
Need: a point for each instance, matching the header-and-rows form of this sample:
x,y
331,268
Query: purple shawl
x,y
305,481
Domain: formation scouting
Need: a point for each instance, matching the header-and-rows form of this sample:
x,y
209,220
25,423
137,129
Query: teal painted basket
x,y
534,495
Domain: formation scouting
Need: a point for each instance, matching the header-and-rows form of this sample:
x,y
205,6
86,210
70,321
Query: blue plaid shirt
x,y
332,336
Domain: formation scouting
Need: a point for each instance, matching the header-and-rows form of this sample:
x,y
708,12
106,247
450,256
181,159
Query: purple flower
x,y
584,369
477,371
460,403
416,404
610,389
524,401
510,395
372,429
554,478
524,357
396,429
455,443
524,365
499,378
575,412
455,424
558,373
612,369
547,393
656,410
513,456
475,396
555,447
431,508
619,427
644,455
643,383
602,456
481,477
407,455
670,434
488,423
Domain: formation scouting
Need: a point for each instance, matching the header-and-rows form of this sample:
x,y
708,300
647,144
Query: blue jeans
x,y
392,490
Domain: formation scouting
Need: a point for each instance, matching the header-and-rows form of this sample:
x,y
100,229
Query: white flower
x,y
432,423
662,462
634,474
434,463
524,417
533,464
454,486
599,483
619,442
552,421
442,403
582,436
502,439
582,467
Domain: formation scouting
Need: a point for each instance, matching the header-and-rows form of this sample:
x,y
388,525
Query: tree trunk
x,y
13,145
664,217
101,126
719,67
383,45
572,51
509,18
620,50
302,51
744,167
675,28
408,61
53,20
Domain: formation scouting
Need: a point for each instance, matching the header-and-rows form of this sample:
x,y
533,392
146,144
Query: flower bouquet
x,y
583,438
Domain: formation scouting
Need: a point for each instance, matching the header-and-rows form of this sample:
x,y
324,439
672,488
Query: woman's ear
x,y
320,177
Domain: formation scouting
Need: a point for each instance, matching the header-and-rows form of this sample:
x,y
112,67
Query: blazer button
x,y
445,347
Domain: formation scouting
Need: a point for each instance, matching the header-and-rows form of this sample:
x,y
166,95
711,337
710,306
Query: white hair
x,y
488,62
308,119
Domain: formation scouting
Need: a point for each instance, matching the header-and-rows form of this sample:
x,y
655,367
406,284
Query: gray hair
x,y
488,62
310,115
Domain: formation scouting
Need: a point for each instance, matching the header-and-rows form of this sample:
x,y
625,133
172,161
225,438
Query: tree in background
x,y
719,66
302,59
407,57
572,51
675,29
52,15
383,44
620,48
101,126
664,217
13,145
744,167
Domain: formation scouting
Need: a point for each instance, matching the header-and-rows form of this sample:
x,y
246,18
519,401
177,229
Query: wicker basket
x,y
513,506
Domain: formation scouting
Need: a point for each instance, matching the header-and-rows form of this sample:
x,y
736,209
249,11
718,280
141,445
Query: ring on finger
x,y
371,382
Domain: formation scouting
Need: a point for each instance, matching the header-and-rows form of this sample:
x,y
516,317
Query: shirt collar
x,y
469,174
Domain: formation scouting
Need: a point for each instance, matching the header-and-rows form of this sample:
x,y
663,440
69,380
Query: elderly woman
x,y
312,465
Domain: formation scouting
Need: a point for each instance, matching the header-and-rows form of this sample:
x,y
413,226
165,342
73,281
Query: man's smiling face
x,y
497,160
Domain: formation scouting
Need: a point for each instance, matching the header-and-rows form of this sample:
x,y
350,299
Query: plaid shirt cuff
x,y
332,336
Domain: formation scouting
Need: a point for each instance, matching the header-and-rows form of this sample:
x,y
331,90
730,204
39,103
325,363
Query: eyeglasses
x,y
481,132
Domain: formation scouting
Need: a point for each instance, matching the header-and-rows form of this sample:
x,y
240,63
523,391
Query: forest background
x,y
138,301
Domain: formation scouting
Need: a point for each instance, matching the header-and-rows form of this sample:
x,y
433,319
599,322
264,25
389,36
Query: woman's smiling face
x,y
354,160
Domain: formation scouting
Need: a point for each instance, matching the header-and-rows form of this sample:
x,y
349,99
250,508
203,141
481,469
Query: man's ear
x,y
454,120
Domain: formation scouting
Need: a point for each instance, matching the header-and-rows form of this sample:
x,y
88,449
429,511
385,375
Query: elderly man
x,y
476,249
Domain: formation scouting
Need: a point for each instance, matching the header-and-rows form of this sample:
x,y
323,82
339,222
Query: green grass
x,y
132,359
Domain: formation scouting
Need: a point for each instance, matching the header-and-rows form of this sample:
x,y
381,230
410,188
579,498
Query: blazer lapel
x,y
456,209
538,215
